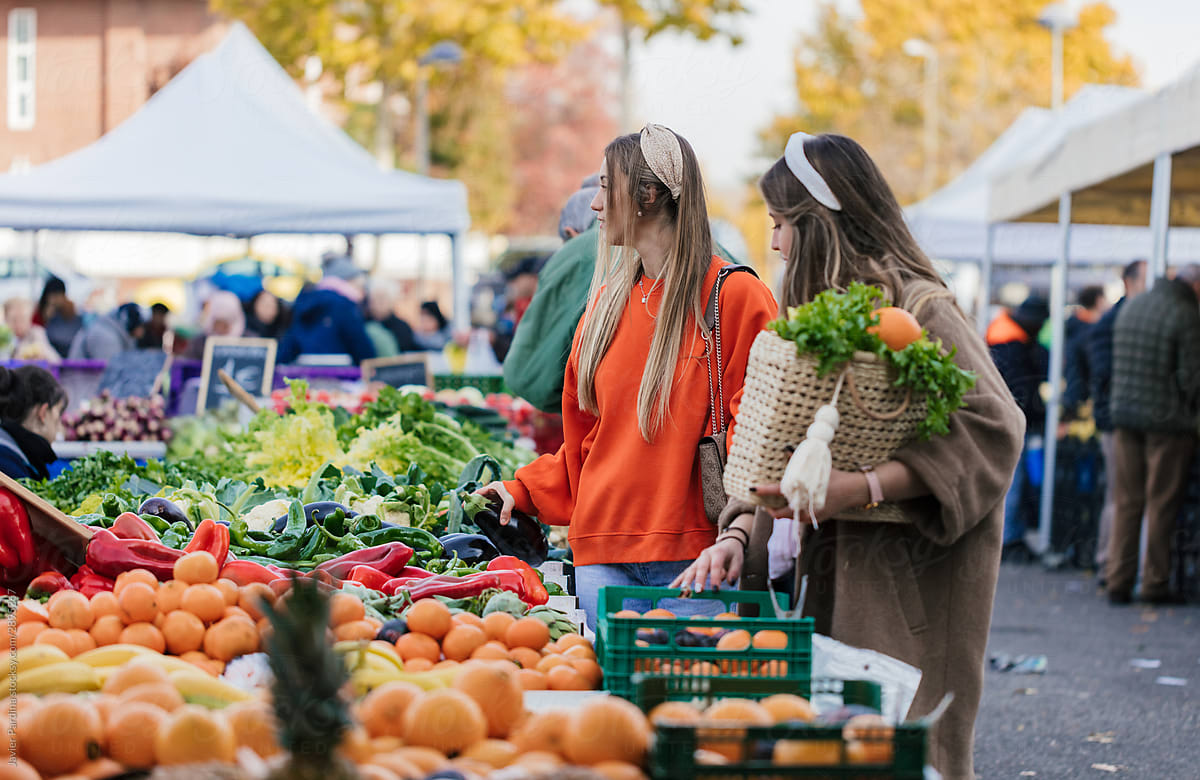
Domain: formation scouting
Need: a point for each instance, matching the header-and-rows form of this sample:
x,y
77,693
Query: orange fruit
x,y
549,662
206,602
771,639
868,740
133,673
734,640
138,603
496,753
527,632
628,613
161,695
183,632
418,665
382,710
469,618
395,766
413,645
423,758
130,733
237,612
807,752
144,634
606,728
429,616
251,598
253,725
447,720
618,770
873,752
539,761
567,641
133,575
230,589
30,611
81,641
783,707
897,328
197,568
704,669
496,691
27,633
525,657
69,609
496,625
589,670
674,712
580,651
462,640
17,769
663,614
345,607
59,736
57,637
355,630
728,616
375,772
565,678
170,595
97,769
724,740
532,680
193,735
491,651
104,603
231,637
541,732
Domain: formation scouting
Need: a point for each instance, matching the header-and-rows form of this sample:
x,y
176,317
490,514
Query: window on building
x,y
22,42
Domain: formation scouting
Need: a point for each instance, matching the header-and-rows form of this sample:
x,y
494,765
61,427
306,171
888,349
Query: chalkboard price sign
x,y
131,374
251,363
398,371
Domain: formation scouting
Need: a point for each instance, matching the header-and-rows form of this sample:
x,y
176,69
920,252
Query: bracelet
x,y
728,534
874,489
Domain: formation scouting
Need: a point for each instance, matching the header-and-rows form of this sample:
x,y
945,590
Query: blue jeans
x,y
1023,495
658,574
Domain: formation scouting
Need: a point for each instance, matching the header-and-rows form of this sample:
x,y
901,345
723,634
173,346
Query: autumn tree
x,y
853,77
702,19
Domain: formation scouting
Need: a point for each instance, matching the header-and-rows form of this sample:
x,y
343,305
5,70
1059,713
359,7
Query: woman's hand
x,y
498,491
720,563
847,489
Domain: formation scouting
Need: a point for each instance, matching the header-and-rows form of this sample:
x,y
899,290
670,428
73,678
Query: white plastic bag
x,y
836,660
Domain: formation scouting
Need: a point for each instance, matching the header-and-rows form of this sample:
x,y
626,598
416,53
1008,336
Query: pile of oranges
x,y
731,641
436,638
197,616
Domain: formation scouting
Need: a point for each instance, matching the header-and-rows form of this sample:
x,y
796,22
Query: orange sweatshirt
x,y
626,500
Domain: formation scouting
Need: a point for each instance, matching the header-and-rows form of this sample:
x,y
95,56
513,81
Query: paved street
x,y
1092,714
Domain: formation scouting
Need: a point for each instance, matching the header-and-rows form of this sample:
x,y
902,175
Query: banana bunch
x,y
45,669
374,663
556,621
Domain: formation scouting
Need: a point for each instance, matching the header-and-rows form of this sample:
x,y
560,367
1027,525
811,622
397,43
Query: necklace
x,y
646,295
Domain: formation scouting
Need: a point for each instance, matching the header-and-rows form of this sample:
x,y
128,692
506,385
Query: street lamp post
x,y
442,53
1057,18
923,50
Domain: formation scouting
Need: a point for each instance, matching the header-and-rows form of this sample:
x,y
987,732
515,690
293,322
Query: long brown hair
x,y
867,240
632,188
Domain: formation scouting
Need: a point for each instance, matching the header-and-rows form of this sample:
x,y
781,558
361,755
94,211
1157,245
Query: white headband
x,y
661,149
797,161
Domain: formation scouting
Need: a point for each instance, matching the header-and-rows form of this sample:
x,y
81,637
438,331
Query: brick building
x,y
75,69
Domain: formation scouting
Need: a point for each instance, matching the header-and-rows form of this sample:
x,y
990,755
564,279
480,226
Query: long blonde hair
x,y
618,268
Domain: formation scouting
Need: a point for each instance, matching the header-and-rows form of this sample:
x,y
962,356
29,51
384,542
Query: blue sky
x,y
719,96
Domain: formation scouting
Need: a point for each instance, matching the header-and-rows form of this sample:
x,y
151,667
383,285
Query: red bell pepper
x,y
47,583
459,587
211,537
89,583
369,576
109,555
535,588
246,572
16,536
130,526
388,558
415,573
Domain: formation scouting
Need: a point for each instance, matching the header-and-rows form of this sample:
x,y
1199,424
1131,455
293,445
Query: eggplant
x,y
315,513
161,507
686,638
654,636
392,630
472,549
521,538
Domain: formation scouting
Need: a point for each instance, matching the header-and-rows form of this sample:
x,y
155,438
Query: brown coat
x,y
923,592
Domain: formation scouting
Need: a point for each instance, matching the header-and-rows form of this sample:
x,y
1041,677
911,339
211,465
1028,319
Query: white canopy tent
x,y
1136,166
229,147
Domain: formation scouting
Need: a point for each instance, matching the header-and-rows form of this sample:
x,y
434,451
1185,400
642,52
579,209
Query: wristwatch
x,y
873,486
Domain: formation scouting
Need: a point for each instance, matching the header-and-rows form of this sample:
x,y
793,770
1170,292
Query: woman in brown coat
x,y
920,591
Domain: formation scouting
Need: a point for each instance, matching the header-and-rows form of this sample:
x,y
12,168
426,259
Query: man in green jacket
x,y
537,360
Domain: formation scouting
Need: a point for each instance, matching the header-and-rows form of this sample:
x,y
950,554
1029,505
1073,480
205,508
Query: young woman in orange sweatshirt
x,y
636,394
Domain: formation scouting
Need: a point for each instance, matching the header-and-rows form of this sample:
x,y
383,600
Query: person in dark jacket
x,y
1024,364
1155,402
266,316
327,319
433,331
1099,357
31,408
1076,368
106,337
56,313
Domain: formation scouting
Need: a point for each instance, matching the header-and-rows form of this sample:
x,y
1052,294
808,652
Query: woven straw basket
x,y
782,395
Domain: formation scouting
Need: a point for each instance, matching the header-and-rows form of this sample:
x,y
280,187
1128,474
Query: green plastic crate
x,y
485,383
790,667
674,752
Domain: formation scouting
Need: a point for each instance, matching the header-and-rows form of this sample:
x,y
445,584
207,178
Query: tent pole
x,y
1058,306
462,317
985,280
1160,216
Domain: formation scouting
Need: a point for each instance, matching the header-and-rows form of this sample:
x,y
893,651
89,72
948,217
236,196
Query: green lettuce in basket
x,y
835,325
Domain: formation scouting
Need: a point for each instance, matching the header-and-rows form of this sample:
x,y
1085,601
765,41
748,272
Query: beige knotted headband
x,y
661,149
